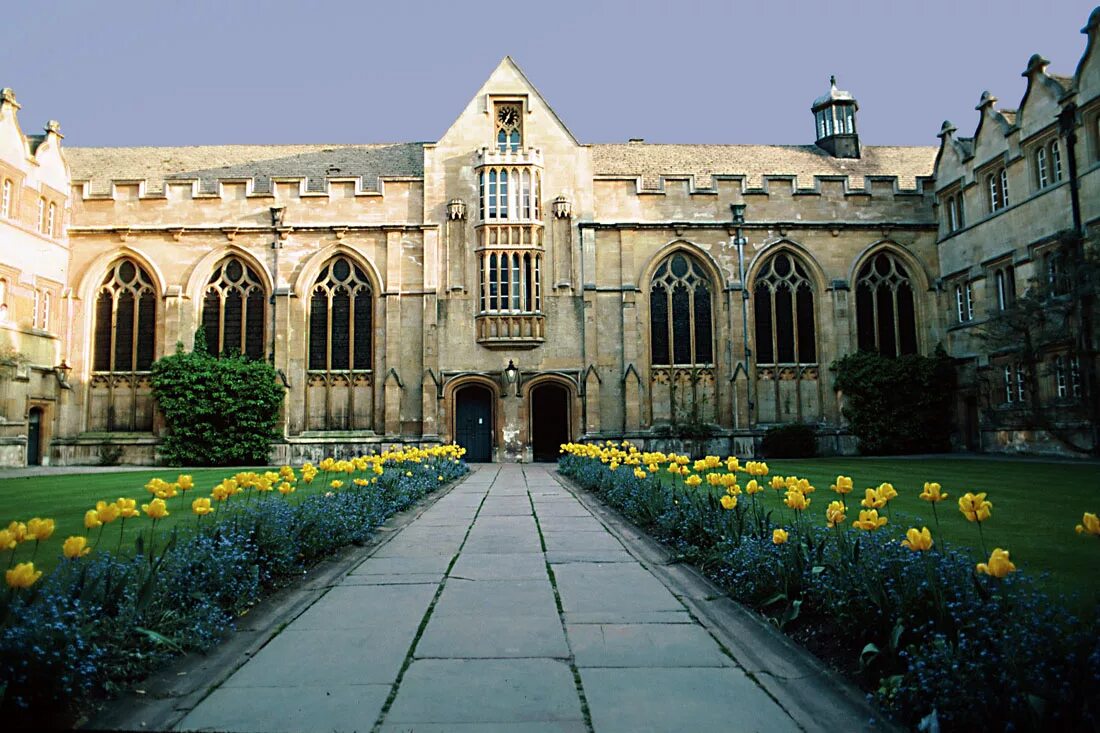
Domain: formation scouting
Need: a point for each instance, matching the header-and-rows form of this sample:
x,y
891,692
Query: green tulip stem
x,y
121,525
981,536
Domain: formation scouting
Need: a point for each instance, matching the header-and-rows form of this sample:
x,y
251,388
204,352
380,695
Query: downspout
x,y
277,214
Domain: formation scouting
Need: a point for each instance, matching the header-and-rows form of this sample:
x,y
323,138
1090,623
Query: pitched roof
x,y
650,162
100,166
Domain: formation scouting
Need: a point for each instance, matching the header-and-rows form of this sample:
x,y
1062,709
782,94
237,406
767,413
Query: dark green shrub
x,y
898,405
218,410
794,440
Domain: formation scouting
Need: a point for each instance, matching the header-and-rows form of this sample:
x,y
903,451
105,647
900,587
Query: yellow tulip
x,y
22,575
336,484
640,473
107,513
693,480
201,506
728,502
932,492
286,488
185,482
753,487
872,499
156,509
869,520
127,508
91,519
779,536
1090,524
834,513
886,492
7,540
974,507
843,485
40,529
18,531
75,547
918,540
797,500
778,483
999,565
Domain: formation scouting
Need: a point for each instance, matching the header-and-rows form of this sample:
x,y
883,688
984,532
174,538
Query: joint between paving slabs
x,y
586,712
411,654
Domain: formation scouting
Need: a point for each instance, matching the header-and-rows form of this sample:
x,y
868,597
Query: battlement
x,y
779,184
235,188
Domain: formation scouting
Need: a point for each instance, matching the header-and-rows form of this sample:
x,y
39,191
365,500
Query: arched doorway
x,y
34,437
549,420
474,422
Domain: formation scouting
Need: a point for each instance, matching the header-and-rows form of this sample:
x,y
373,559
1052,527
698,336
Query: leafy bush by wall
x,y
898,405
218,410
794,440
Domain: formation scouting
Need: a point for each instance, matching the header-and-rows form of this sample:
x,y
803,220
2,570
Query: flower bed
x,y
931,634
108,614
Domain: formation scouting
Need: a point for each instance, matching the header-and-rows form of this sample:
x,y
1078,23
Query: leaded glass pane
x,y
341,321
363,326
762,315
658,325
703,346
101,360
681,324
318,330
124,332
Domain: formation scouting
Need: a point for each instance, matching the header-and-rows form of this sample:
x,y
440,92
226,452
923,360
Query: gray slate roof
x,y
100,166
651,161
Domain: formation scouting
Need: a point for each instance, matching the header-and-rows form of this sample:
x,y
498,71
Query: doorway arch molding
x,y
533,382
451,388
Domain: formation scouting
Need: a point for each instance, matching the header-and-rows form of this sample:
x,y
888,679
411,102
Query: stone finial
x,y
987,100
563,209
1093,23
53,127
7,96
456,210
947,129
1036,64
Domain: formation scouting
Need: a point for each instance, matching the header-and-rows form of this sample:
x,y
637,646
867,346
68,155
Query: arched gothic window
x,y
233,310
886,319
681,326
341,318
783,308
125,320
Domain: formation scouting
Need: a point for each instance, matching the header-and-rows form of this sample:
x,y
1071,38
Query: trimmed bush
x,y
794,440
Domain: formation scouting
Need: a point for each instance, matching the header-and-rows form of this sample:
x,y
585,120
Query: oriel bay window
x,y
886,318
123,347
233,310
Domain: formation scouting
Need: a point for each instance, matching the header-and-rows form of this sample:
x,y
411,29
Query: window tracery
x,y
234,307
681,323
783,309
885,307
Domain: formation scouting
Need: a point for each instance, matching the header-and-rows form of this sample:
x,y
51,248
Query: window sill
x,y
511,330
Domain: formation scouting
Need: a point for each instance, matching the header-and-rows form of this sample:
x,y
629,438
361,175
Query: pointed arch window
x,y
680,308
234,308
783,309
886,318
125,320
341,318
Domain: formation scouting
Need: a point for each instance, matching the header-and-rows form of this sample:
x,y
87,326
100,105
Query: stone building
x,y
506,286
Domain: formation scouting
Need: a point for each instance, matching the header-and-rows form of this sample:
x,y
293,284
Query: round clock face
x,y
508,116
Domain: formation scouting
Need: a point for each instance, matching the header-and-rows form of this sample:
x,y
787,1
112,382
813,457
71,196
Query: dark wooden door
x,y
474,423
34,437
549,421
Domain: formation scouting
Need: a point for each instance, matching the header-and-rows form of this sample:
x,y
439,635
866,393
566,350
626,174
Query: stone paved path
x,y
506,606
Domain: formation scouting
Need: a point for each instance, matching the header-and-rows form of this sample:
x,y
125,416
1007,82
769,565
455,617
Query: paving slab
x,y
644,645
471,636
500,566
617,589
364,607
690,700
503,691
399,565
277,709
497,598
562,557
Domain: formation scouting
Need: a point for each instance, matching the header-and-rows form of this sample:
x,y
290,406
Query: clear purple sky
x,y
191,73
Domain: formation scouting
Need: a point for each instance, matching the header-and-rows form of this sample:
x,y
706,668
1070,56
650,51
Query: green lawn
x,y
65,498
1036,506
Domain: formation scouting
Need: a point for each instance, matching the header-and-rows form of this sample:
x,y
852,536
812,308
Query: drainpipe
x,y
739,220
1067,124
278,212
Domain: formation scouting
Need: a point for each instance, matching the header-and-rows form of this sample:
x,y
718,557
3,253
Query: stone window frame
x,y
142,288
770,283
328,289
994,180
7,198
513,135
664,285
251,290
869,277
954,211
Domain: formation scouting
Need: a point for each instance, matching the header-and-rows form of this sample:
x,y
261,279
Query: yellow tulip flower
x,y
974,507
918,540
728,502
127,508
40,529
185,482
872,499
843,485
18,531
106,513
932,492
286,488
156,509
91,519
797,500
693,480
7,540
336,483
779,536
640,473
999,564
22,575
869,520
1090,524
75,547
834,513
201,506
